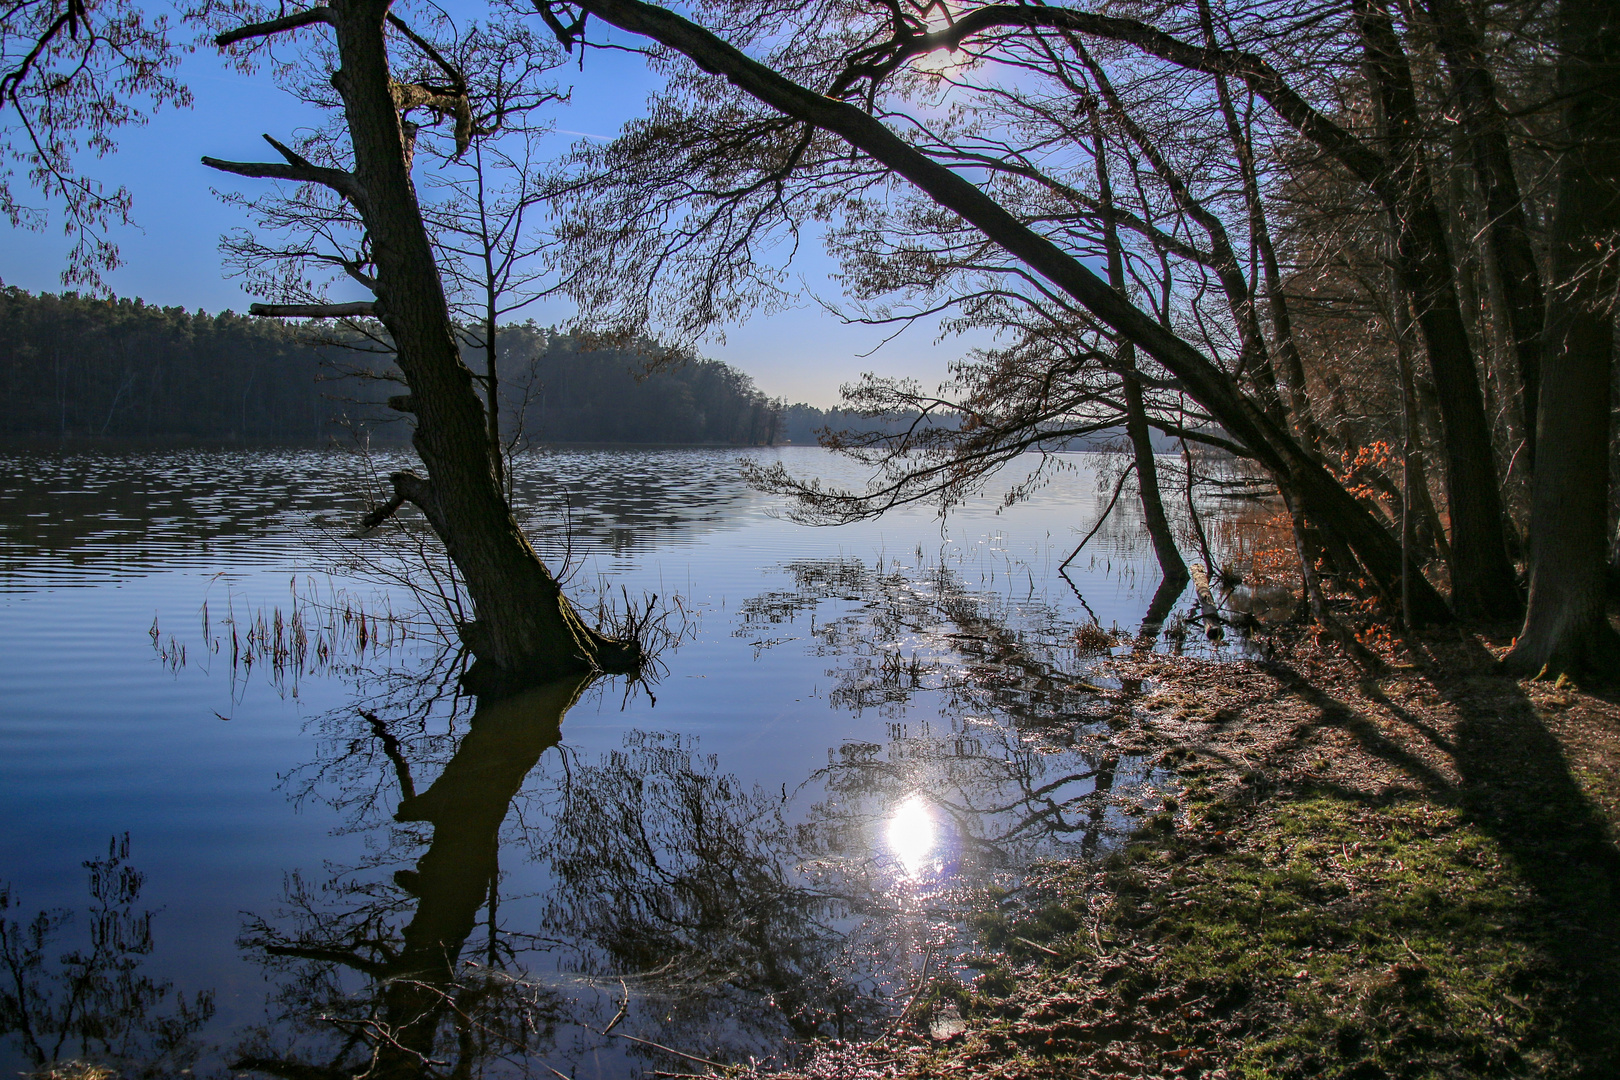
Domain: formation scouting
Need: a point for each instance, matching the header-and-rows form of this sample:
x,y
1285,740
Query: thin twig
x,y
1118,487
1037,945
669,1050
922,983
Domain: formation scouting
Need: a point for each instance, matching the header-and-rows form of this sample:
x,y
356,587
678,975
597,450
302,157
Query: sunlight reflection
x,y
912,834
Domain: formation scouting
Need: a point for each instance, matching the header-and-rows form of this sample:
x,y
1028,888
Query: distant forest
x,y
75,368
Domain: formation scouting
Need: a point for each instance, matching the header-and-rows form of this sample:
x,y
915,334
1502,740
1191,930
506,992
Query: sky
x,y
172,257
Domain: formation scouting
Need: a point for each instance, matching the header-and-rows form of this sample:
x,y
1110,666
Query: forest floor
x,y
1412,874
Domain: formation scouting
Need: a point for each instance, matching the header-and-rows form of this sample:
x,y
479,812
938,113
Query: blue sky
x,y
173,256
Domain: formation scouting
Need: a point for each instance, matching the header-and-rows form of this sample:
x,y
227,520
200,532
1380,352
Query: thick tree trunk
x,y
1566,629
1483,584
525,626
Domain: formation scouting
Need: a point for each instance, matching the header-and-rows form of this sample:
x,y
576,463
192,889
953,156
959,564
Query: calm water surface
x,y
861,732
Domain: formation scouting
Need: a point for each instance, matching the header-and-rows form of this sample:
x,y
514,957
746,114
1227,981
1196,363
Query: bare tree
x,y
776,157
483,202
524,628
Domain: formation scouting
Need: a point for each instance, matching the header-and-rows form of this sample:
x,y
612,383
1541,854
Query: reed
x,y
315,632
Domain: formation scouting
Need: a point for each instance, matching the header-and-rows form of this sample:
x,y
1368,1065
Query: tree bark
x,y
1320,496
524,627
1566,628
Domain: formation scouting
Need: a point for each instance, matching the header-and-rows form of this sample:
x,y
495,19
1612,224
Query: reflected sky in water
x,y
863,729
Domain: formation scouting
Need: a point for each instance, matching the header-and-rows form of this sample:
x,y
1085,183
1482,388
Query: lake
x,y
234,763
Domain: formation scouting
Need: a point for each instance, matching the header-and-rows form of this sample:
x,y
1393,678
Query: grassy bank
x,y
1413,875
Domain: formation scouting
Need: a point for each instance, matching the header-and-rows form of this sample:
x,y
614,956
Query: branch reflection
x,y
530,909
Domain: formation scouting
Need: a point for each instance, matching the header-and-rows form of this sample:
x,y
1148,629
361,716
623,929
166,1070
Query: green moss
x,y
1336,939
1382,930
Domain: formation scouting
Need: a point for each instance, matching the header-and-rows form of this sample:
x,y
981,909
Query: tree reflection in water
x,y
80,1004
1023,759
374,975
733,921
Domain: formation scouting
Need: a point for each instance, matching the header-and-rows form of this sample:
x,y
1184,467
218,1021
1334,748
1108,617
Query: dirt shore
x,y
1412,874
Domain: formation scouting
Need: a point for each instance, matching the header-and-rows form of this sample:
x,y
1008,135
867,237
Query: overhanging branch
x,y
1266,81
408,488
1274,448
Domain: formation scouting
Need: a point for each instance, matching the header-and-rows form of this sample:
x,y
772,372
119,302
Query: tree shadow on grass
x,y
1510,778
1517,786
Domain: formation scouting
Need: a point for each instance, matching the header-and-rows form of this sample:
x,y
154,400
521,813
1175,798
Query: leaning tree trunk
x,y
1322,498
524,623
1567,629
524,627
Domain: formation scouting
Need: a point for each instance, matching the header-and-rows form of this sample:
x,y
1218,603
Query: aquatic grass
x,y
314,634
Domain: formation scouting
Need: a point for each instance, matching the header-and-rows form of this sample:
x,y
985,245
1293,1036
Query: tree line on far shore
x,y
75,368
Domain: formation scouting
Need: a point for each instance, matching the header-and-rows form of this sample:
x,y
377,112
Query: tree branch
x,y
457,80
330,956
293,157
313,311
408,488
319,14
1266,81
338,180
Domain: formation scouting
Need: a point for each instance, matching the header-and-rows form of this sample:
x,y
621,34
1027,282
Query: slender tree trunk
x,y
1415,485
1482,579
492,396
492,388
524,625
1136,422
1254,360
1485,128
1292,365
1566,629
1147,480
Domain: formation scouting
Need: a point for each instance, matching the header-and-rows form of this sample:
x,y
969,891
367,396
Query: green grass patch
x,y
1311,937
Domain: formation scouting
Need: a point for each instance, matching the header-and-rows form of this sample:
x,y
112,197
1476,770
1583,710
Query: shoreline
x,y
1410,874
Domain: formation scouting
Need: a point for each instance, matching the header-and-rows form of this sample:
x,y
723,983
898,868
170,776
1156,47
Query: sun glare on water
x,y
912,834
